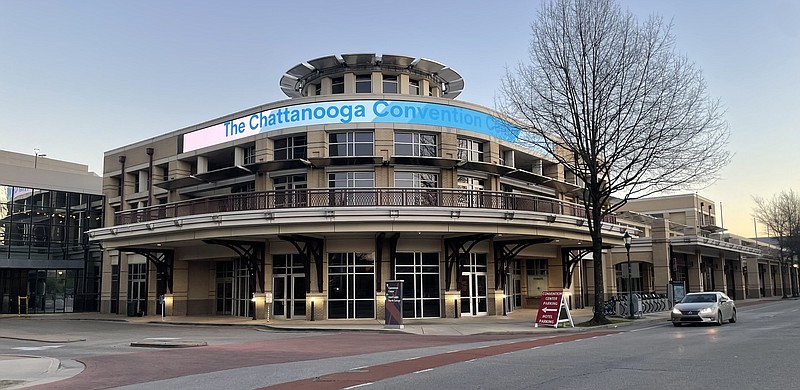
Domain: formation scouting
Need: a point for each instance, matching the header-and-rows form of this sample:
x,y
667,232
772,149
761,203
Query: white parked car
x,y
704,307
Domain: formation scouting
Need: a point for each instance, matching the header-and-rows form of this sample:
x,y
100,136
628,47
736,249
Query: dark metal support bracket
x,y
504,254
454,248
163,260
252,253
311,249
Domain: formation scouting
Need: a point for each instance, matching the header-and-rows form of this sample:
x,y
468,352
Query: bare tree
x,y
781,216
610,99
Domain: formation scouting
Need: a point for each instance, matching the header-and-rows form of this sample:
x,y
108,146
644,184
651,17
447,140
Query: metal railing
x,y
353,197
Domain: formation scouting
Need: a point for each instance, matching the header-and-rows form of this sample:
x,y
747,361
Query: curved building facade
x,y
304,208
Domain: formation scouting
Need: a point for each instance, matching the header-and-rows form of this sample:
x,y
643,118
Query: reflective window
x,y
289,148
351,180
420,275
351,285
364,83
42,226
416,180
351,143
337,85
470,150
413,87
390,84
415,144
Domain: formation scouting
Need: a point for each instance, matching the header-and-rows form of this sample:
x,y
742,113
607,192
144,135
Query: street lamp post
x,y
36,157
627,239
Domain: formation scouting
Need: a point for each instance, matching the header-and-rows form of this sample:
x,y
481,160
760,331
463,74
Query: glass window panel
x,y
365,309
363,150
364,286
364,83
337,286
403,150
403,137
337,309
337,85
430,308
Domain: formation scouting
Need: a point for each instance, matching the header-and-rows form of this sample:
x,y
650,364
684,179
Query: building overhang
x,y
711,247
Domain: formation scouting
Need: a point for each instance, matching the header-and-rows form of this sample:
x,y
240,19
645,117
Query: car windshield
x,y
699,298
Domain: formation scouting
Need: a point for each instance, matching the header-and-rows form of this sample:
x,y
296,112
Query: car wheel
x,y
733,317
719,317
677,324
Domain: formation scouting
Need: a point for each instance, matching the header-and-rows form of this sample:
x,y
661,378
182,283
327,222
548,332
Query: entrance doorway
x,y
224,287
474,301
513,290
234,292
289,287
137,288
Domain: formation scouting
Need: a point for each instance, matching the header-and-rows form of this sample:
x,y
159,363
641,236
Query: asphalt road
x,y
759,351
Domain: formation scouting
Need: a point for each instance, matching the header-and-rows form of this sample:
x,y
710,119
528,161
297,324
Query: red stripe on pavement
x,y
376,373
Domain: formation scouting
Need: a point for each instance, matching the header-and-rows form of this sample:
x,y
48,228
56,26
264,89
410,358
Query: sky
x,y
83,77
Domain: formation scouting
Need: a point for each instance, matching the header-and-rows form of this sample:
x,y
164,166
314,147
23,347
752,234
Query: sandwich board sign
x,y
552,306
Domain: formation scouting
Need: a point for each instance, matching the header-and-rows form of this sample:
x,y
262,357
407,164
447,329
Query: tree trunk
x,y
599,317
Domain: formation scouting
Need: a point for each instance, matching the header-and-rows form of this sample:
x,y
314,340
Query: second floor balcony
x,y
356,197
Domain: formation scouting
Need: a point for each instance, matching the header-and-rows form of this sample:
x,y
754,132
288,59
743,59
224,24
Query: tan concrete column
x,y
740,289
695,278
377,82
402,84
718,269
661,260
753,283
349,83
767,279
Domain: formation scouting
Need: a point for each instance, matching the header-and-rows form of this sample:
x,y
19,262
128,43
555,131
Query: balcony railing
x,y
355,197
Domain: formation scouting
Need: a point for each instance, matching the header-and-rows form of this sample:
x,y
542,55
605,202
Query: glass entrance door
x,y
289,287
512,292
137,288
224,287
474,301
289,296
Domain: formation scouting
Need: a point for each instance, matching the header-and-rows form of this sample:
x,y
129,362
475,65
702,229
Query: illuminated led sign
x,y
354,111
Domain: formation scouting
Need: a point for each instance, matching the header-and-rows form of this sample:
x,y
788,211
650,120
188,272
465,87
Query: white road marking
x,y
649,327
414,358
421,371
358,368
42,348
470,361
353,387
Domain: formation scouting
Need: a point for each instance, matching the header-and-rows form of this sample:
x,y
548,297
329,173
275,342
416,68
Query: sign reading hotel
x,y
351,111
550,309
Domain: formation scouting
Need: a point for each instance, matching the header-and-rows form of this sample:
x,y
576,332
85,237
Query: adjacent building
x,y
47,264
681,239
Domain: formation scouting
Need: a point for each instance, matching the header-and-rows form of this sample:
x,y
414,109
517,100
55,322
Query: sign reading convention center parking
x,y
352,111
551,306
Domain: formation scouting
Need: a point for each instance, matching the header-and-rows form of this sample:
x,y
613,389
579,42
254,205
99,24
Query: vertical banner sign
x,y
393,309
551,306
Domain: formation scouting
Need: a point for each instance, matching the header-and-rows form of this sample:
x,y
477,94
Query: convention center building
x,y
370,171
305,207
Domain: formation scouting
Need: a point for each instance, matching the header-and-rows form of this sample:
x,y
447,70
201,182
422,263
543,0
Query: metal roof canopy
x,y
291,82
